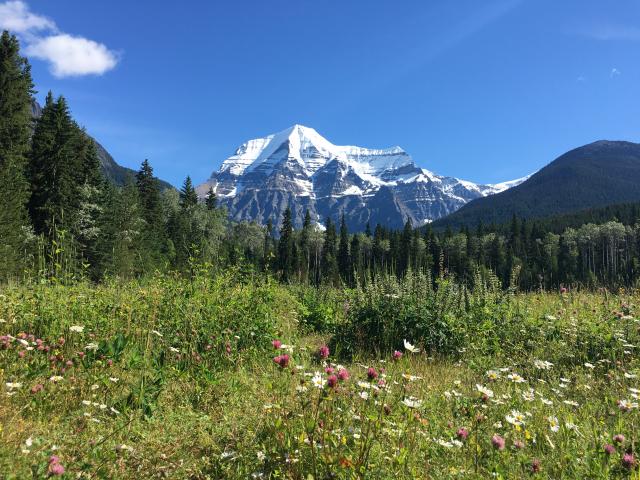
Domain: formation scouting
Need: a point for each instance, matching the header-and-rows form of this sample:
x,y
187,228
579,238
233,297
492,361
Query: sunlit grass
x,y
176,379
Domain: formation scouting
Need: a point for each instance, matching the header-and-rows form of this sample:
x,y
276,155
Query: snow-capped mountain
x,y
299,168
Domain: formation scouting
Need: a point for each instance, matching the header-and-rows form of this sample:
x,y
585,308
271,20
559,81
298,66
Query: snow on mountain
x,y
297,167
501,187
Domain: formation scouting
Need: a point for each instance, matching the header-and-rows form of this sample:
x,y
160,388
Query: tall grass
x,y
172,377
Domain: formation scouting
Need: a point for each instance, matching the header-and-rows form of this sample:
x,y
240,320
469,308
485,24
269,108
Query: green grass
x,y
171,378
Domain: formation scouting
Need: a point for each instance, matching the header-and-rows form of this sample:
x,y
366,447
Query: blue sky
x,y
482,90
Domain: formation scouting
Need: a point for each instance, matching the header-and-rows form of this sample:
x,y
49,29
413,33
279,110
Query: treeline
x,y
522,254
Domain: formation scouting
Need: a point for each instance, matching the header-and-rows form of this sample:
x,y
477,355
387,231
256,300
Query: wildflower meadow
x,y
219,377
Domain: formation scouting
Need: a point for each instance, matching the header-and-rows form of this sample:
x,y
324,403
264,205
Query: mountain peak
x,y
299,168
301,129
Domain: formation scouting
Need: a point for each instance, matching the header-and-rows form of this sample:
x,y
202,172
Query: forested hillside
x,y
602,173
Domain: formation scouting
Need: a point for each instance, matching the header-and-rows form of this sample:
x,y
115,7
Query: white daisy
x,y
317,380
554,425
542,364
412,402
484,390
410,347
515,418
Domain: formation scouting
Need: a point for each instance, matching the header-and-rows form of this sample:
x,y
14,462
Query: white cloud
x,y
68,55
73,56
16,17
615,72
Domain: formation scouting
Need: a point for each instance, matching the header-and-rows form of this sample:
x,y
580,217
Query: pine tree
x,y
344,259
188,195
16,88
54,168
329,262
285,246
404,248
496,257
305,245
212,200
187,229
149,194
154,235
356,257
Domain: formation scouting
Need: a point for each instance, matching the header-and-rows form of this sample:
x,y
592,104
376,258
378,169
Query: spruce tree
x,y
151,210
16,88
305,244
404,248
149,194
356,257
329,262
53,169
66,179
344,259
188,195
212,200
285,246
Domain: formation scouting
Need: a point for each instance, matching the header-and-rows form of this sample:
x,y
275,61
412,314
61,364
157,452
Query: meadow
x,y
233,375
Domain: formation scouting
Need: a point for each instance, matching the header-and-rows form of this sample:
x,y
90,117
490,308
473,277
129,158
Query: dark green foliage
x,y
212,200
405,250
154,237
329,266
198,234
286,259
387,311
188,195
344,256
122,236
305,250
149,192
53,167
63,163
16,89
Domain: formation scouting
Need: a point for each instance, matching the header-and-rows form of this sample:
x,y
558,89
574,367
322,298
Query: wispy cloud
x,y
67,55
615,73
607,32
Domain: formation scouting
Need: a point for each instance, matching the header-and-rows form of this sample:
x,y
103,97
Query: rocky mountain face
x,y
300,169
